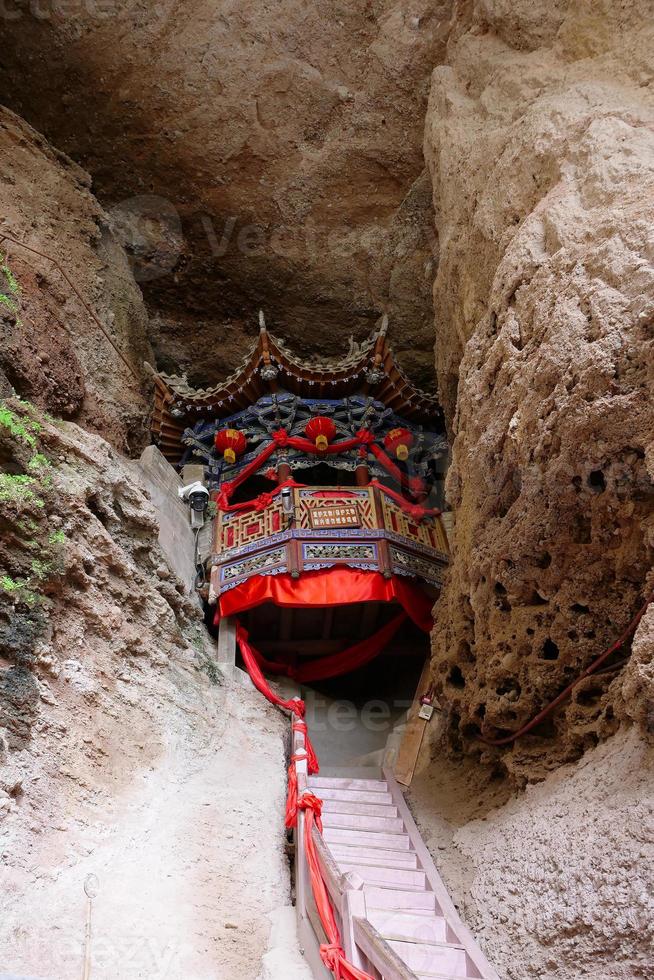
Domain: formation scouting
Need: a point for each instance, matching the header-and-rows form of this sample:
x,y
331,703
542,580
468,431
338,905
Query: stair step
x,y
406,927
374,856
392,825
361,785
353,796
387,877
391,842
436,976
401,900
429,958
363,809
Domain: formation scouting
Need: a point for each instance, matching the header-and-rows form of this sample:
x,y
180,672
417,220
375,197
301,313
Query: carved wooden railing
x,y
362,527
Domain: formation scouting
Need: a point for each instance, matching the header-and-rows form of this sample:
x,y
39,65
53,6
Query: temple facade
x,y
326,481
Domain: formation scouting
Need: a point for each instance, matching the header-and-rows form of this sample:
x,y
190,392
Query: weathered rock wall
x,y
558,881
540,144
51,351
276,148
124,753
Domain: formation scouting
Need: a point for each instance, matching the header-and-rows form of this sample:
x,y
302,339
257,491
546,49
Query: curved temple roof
x,y
369,367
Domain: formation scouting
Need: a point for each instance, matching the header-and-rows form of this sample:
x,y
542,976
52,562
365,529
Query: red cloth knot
x,y
311,802
415,511
281,437
416,484
365,437
332,955
222,500
263,501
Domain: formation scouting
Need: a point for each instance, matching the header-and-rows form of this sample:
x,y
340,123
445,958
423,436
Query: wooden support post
x,y
414,732
227,641
353,907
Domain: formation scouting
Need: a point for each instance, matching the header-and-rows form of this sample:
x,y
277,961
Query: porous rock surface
x,y
540,145
274,148
51,350
557,882
129,766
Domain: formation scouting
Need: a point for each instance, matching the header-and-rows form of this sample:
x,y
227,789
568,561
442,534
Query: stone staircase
x,y
374,840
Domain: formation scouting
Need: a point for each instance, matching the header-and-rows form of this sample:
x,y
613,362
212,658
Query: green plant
x,y
57,538
16,487
9,297
39,462
24,429
8,584
41,569
10,279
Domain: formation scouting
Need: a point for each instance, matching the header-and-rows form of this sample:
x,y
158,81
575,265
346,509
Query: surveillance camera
x,y
196,496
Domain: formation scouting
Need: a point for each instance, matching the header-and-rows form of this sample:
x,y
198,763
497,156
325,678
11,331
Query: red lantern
x,y
399,441
231,443
322,430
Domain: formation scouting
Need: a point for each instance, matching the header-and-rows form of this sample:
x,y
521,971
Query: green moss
x,y
39,462
8,584
57,538
16,488
24,429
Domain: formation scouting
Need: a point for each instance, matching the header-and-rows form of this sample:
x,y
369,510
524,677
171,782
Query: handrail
x,y
363,945
379,953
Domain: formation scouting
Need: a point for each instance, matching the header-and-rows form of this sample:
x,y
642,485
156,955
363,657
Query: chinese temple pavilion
x,y
326,477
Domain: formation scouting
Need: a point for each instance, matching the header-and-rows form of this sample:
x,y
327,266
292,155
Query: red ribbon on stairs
x,y
331,953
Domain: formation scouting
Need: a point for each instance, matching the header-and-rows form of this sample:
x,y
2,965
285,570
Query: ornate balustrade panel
x,y
238,529
429,532
359,527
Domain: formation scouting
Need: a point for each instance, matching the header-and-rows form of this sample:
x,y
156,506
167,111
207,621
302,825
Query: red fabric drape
x,y
336,586
332,953
336,664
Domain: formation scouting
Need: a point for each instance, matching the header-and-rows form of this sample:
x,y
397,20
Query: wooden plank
x,y
407,755
226,653
380,954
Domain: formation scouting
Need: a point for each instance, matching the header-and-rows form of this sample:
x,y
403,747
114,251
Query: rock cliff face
x,y
556,882
51,350
540,144
124,753
271,153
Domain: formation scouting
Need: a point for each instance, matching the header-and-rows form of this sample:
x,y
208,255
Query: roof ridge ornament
x,y
268,370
